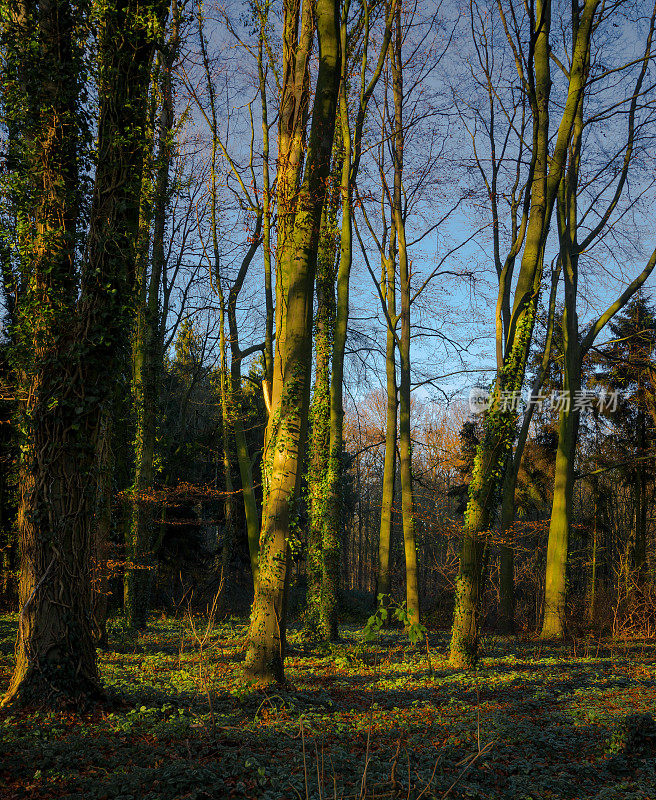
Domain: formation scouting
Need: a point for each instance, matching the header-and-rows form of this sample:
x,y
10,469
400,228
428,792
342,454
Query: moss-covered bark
x,y
300,206
500,420
319,449
351,141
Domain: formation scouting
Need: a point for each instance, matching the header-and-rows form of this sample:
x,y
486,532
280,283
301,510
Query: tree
x,y
72,323
629,372
575,240
350,162
301,194
417,46
319,447
533,65
147,348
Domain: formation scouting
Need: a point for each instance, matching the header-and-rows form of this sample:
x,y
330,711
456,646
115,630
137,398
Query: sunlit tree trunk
x,y
333,517
389,466
352,147
266,205
575,346
405,443
299,209
507,554
561,514
500,419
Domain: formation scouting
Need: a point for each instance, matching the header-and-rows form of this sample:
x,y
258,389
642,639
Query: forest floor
x,y
359,720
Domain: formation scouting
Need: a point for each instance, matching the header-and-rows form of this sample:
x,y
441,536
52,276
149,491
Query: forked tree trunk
x,y
499,421
300,208
575,346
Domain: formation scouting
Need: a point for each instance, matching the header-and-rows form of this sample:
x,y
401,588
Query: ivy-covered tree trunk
x,y
499,421
103,529
300,207
148,365
319,447
332,521
506,622
55,649
73,336
352,150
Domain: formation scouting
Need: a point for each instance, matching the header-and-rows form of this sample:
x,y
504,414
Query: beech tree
x,y
533,62
576,237
148,341
302,175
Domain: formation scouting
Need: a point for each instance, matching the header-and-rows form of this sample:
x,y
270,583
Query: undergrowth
x,y
383,719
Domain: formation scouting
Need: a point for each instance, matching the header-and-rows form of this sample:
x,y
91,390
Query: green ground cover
x,y
359,720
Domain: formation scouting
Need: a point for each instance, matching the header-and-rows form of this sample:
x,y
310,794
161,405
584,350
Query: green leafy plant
x,y
413,628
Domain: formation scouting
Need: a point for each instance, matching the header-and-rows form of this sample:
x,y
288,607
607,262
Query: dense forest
x,y
328,399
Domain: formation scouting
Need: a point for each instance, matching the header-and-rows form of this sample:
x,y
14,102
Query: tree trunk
x,y
55,651
405,443
73,347
244,461
320,413
389,468
556,575
500,419
592,596
102,539
507,556
333,483
640,546
147,370
297,251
